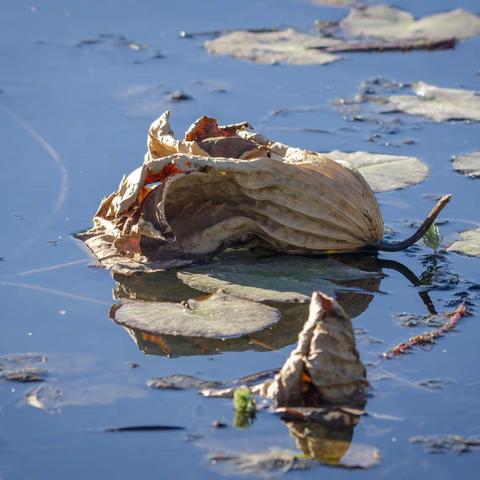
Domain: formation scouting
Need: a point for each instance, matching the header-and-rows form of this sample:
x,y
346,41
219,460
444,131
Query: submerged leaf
x,y
444,443
384,172
207,318
468,164
285,46
272,278
390,23
468,244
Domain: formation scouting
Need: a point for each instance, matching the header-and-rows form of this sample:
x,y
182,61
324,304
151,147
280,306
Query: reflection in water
x,y
353,295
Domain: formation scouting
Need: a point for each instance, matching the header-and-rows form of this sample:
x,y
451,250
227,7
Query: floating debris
x,y
23,367
428,338
444,443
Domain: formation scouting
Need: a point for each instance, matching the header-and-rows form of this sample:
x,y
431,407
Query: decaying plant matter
x,y
325,366
223,187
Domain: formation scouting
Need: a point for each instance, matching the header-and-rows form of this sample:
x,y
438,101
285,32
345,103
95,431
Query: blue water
x,y
74,119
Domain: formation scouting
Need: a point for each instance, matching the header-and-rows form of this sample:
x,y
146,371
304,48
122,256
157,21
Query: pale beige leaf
x,y
285,46
468,164
384,172
390,23
438,104
468,243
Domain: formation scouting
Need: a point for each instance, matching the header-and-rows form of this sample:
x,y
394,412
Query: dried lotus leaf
x,y
184,205
325,359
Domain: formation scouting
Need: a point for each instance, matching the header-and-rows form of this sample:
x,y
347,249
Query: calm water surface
x,y
74,114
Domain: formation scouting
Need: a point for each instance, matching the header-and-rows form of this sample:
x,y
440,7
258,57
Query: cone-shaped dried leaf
x,y
285,46
183,205
219,316
325,360
468,244
438,104
390,23
384,172
468,164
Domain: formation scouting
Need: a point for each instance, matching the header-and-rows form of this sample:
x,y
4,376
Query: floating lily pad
x,y
384,172
468,164
468,244
438,104
52,398
390,23
219,316
285,46
274,278
23,367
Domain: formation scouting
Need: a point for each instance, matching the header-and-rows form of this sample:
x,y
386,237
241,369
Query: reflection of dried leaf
x,y
438,104
332,446
206,318
390,23
469,243
277,279
286,46
384,172
468,164
325,356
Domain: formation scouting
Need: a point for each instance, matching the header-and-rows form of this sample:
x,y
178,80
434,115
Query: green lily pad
x,y
468,244
390,23
384,172
220,316
284,46
468,164
272,279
